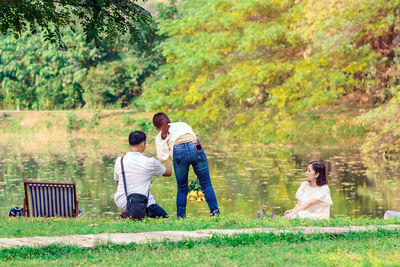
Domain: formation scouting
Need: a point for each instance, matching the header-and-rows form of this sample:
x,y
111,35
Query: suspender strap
x,y
123,176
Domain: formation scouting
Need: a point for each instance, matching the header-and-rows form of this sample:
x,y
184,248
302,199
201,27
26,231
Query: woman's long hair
x,y
319,168
161,120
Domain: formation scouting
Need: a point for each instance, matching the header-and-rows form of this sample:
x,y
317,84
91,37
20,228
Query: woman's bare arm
x,y
305,206
168,169
298,204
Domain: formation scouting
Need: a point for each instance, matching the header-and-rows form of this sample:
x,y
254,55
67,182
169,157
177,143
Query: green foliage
x,y
344,249
348,130
128,119
101,21
72,122
195,186
145,125
383,139
111,82
37,75
255,66
12,227
382,145
53,251
254,70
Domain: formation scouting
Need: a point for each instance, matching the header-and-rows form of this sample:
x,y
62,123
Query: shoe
x,y
215,213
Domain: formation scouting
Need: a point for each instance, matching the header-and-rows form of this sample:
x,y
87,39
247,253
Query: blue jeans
x,y
156,211
152,211
192,154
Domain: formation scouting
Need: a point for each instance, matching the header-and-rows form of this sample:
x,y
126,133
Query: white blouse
x,y
165,147
306,193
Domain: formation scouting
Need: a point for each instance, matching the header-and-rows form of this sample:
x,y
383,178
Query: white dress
x,y
306,193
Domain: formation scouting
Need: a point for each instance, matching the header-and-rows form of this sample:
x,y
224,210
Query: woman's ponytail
x,y
161,121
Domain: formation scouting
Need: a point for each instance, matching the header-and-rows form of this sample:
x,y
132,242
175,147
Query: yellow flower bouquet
x,y
195,192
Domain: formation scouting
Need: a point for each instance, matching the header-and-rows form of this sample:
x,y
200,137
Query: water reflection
x,y
245,178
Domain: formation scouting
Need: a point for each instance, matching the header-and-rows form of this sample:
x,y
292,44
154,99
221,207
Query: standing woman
x,y
178,140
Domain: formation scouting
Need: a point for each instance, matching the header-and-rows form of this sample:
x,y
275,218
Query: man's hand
x,y
168,169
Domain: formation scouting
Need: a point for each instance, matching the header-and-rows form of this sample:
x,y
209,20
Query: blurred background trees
x,y
264,66
257,70
37,74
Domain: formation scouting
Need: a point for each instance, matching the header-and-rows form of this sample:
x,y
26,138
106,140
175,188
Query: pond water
x,y
246,178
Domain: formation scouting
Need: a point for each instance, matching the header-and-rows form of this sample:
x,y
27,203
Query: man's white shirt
x,y
138,172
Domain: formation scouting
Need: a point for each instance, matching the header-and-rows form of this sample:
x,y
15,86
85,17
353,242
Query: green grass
x,y
350,249
17,227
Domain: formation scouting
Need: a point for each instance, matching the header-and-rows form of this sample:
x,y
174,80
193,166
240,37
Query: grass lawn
x,y
18,227
381,248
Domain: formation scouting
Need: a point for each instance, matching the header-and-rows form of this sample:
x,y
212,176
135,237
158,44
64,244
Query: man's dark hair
x,y
136,137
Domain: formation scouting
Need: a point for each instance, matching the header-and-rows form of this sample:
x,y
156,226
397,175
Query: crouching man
x,y
133,174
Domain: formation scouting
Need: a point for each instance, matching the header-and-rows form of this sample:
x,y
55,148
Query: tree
x,y
259,67
101,20
35,74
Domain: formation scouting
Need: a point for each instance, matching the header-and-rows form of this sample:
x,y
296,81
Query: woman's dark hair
x,y
136,138
161,120
319,168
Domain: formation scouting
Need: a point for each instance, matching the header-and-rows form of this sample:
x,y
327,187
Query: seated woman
x,y
314,196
